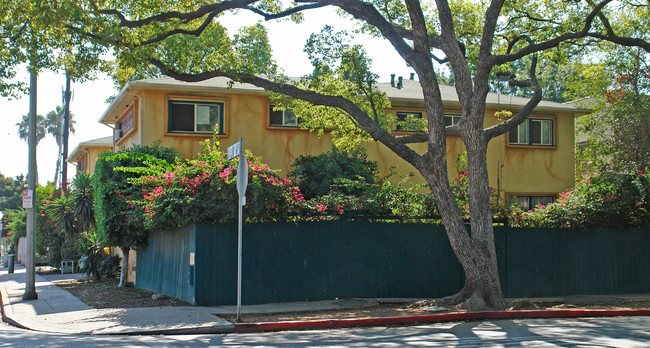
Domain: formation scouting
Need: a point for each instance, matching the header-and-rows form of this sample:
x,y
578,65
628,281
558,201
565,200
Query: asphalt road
x,y
596,332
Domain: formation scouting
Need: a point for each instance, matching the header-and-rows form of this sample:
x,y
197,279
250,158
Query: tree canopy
x,y
33,34
11,191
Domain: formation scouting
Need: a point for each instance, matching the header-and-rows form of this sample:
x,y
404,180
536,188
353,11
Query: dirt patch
x,y
107,294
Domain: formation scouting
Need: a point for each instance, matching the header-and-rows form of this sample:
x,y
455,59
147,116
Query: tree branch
x,y
367,12
533,48
424,137
364,121
481,78
288,12
195,32
454,53
434,42
162,17
514,121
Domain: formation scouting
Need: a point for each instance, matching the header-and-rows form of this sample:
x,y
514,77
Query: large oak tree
x,y
475,39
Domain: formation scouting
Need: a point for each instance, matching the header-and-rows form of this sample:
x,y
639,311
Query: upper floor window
x,y
409,121
81,164
452,119
282,118
533,132
195,116
124,126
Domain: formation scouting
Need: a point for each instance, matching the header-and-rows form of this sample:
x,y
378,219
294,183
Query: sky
x,y
88,103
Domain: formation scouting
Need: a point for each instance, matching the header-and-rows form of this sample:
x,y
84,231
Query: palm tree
x,y
54,126
23,131
51,124
23,128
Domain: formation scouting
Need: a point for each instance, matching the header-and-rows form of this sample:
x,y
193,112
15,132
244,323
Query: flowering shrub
x,y
203,190
603,200
121,222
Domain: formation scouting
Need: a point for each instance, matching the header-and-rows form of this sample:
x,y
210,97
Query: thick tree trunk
x,y
125,266
476,253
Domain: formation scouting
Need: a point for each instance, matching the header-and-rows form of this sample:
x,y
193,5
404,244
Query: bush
x,y
603,200
110,267
377,200
118,219
91,261
316,174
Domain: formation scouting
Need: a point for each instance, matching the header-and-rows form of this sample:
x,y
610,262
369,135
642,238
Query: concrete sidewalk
x,y
58,311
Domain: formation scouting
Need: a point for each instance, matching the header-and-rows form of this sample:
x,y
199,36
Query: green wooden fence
x,y
343,259
163,266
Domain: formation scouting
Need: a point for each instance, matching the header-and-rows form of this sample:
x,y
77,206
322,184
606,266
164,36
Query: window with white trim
x,y
452,119
195,116
282,118
533,132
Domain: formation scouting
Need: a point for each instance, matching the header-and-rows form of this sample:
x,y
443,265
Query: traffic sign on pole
x,y
236,150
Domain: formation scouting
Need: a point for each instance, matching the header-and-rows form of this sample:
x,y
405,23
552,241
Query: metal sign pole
x,y
236,150
239,257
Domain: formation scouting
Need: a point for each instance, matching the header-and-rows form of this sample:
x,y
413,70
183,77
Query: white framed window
x,y
533,132
195,116
452,119
529,202
282,118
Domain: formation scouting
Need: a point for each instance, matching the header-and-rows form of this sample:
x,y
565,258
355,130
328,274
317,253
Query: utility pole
x,y
30,282
65,132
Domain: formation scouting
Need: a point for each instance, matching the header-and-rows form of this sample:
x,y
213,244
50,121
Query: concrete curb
x,y
433,318
5,308
205,330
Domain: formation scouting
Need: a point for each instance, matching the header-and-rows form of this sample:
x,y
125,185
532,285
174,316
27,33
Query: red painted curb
x,y
434,318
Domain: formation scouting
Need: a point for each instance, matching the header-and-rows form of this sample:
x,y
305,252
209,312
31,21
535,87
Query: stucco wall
x,y
512,169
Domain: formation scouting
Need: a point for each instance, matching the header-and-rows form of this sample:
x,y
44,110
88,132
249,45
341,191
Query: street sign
x,y
28,199
242,178
235,149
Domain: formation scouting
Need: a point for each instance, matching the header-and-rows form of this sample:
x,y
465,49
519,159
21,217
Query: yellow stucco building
x,y
530,165
86,153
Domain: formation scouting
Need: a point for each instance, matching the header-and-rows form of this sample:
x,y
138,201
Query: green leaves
x,y
316,174
602,200
119,220
62,211
83,200
203,190
248,52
